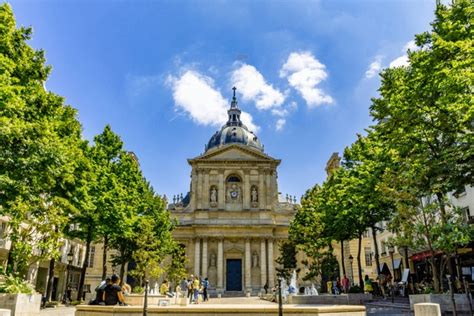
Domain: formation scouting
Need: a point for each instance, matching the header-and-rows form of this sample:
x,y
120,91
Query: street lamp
x,y
351,260
69,258
391,251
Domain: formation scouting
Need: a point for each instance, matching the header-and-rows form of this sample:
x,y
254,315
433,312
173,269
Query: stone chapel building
x,y
232,219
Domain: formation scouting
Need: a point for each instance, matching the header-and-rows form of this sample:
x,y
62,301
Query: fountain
x,y
292,287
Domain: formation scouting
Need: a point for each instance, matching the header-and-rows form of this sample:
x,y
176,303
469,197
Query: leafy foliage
x,y
13,284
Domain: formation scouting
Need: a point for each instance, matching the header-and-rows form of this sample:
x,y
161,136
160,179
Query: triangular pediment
x,y
234,152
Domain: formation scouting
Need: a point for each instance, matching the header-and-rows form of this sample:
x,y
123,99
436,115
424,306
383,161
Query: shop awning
x,y
423,255
396,263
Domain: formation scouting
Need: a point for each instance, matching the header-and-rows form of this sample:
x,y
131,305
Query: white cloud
x,y
374,67
280,112
304,73
399,62
403,60
247,119
411,45
253,87
280,123
196,95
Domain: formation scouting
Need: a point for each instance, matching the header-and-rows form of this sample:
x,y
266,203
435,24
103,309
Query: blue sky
x,y
160,73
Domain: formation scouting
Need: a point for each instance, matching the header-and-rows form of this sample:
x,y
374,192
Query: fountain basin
x,y
224,310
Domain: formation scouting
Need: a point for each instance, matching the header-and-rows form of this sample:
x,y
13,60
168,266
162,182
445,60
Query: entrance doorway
x,y
234,275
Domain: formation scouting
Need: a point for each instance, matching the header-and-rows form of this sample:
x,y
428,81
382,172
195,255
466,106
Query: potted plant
x,y
18,295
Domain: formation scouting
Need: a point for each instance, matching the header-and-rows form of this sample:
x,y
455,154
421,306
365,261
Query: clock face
x,y
234,194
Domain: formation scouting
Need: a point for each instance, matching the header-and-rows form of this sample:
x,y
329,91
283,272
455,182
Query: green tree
x,y
40,139
155,240
309,233
425,113
425,110
287,260
176,269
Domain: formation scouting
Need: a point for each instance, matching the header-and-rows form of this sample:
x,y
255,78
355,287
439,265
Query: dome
x,y
234,134
234,131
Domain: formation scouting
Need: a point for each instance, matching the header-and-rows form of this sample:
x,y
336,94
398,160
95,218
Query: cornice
x,y
261,157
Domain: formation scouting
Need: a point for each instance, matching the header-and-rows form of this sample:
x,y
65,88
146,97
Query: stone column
x,y
221,192
197,256
193,189
269,188
271,269
261,191
206,197
204,258
220,266
248,266
263,263
199,190
246,191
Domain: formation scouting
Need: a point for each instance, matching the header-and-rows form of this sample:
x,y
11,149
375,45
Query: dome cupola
x,y
234,131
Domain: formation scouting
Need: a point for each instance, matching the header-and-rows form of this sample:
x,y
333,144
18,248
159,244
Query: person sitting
x,y
126,289
164,288
368,285
99,298
113,292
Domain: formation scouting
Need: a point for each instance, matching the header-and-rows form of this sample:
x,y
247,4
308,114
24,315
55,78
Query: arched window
x,y
233,178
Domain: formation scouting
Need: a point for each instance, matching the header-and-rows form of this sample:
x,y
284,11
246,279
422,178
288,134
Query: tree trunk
x,y
342,258
52,262
122,272
436,281
84,267
10,260
359,265
49,288
104,257
376,248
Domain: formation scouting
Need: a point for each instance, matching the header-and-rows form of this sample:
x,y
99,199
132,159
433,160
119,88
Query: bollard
x,y
280,302
467,290
427,309
145,303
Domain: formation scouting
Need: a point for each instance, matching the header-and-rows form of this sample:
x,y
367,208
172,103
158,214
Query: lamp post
x,y
391,251
69,258
280,302
351,261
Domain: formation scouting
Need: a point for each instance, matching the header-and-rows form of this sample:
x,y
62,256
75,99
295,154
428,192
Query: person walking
x,y
196,286
183,285
345,284
205,285
190,289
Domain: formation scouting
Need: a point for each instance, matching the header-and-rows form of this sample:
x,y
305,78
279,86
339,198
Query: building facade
x,y
66,274
232,219
394,260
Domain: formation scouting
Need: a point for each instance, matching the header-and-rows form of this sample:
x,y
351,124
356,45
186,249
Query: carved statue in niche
x,y
212,262
254,259
213,195
254,194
